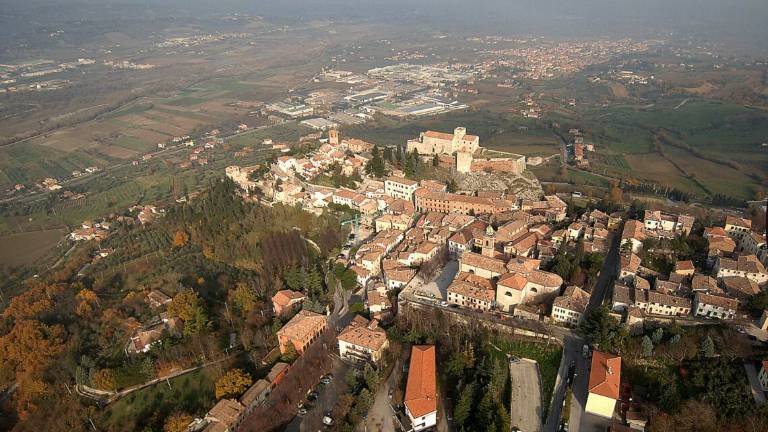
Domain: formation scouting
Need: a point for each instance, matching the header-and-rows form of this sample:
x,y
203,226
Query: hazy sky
x,y
745,21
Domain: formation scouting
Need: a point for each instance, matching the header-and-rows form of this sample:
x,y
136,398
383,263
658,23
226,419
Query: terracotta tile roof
x,y
622,294
543,278
226,411
605,375
723,302
740,286
703,283
284,297
745,263
483,262
714,232
737,221
513,280
684,266
364,333
421,388
402,180
575,299
439,135
302,325
523,264
630,262
633,229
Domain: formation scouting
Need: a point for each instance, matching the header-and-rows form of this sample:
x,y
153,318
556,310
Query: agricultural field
x,y
25,248
697,146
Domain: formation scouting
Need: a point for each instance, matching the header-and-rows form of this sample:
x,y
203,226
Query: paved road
x,y
381,417
572,350
525,402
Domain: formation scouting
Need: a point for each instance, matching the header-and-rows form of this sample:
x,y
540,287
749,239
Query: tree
x,y
376,166
675,339
244,298
647,346
290,355
371,377
658,335
180,238
603,330
177,422
463,406
451,186
708,347
435,161
188,306
232,384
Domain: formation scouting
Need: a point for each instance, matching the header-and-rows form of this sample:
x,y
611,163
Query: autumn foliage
x,y
233,383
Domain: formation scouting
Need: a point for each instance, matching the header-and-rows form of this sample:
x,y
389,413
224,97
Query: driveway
x,y
525,402
381,415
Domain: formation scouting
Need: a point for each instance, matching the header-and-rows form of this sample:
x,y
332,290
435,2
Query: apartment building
x,y
569,308
400,187
301,331
657,303
362,341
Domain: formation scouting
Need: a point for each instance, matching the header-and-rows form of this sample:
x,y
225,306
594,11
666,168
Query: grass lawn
x,y
191,393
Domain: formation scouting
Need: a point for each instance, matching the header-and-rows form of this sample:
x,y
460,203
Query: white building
x,y
400,188
711,306
363,341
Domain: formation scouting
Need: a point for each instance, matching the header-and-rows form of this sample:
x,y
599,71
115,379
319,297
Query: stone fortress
x,y
469,156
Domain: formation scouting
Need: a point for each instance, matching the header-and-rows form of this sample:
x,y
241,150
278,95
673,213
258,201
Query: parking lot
x,y
525,411
327,396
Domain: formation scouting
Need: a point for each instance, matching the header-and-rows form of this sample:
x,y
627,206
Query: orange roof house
x,y
421,389
286,300
604,384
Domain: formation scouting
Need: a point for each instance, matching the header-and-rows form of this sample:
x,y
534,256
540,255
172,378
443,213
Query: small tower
x,y
489,242
333,137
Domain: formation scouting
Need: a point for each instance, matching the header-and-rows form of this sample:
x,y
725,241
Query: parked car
x,y
585,351
313,395
327,419
326,379
514,359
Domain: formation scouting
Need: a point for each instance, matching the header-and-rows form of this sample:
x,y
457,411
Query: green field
x,y
191,393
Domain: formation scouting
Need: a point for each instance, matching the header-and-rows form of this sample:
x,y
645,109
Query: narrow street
x,y
572,350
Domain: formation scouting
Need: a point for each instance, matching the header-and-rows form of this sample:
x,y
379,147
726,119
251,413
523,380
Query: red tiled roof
x,y
421,389
605,375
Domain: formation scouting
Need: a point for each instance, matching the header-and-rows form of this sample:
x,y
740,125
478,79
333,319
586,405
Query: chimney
x,y
610,370
373,325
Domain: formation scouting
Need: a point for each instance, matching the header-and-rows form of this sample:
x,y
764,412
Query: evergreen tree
x,y
708,347
647,346
375,166
658,335
463,407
